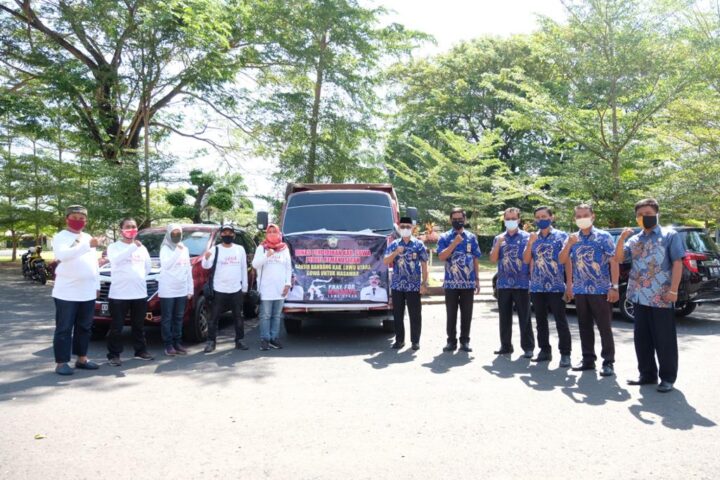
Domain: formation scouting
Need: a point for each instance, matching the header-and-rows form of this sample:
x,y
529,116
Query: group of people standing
x,y
77,285
546,269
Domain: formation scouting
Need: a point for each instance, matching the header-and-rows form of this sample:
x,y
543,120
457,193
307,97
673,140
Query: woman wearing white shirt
x,y
230,282
175,288
130,265
274,266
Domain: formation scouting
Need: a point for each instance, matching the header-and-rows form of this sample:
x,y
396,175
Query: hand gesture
x,y
500,240
269,252
533,238
94,242
208,254
573,239
138,243
626,233
180,246
613,296
458,239
400,250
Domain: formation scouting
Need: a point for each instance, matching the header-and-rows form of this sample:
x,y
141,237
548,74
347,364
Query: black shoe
x,y
584,366
643,381
144,356
607,370
264,345
665,387
503,351
528,354
64,369
87,365
450,347
115,361
398,345
543,357
415,346
465,347
275,344
240,345
209,347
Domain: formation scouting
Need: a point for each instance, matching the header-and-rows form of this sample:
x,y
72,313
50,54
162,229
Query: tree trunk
x,y
315,115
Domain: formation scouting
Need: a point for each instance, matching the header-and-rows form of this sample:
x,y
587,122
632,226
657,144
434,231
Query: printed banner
x,y
341,268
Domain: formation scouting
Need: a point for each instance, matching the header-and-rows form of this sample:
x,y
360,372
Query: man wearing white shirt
x,y
229,283
297,292
130,264
374,292
77,283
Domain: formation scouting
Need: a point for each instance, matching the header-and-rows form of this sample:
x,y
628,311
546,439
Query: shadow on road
x,y
671,409
445,361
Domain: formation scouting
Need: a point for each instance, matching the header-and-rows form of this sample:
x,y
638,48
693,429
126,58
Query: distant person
x,y
175,288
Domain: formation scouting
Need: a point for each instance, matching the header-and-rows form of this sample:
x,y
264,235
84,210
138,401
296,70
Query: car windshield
x,y
697,241
196,242
339,211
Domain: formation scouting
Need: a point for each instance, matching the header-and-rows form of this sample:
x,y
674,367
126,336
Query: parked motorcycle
x,y
34,266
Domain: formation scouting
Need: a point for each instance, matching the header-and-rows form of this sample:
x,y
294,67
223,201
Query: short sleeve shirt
x,y
459,268
652,257
591,257
548,274
407,270
512,271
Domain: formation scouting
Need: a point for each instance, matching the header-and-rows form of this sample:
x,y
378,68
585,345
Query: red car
x,y
198,238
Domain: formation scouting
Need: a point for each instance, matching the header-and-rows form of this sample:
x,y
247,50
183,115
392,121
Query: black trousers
x,y
542,301
119,310
221,304
507,297
595,310
655,334
414,307
462,298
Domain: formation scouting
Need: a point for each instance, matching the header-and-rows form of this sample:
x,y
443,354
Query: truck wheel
x,y
685,309
196,329
99,332
293,325
388,326
627,309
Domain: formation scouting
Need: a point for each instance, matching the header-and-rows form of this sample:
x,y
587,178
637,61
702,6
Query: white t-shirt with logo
x,y
76,276
129,267
231,273
175,279
274,272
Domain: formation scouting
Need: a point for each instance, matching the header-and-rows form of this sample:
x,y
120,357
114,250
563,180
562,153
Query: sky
x,y
449,21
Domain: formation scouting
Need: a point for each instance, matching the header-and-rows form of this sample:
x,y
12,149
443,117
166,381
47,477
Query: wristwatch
x,y
615,286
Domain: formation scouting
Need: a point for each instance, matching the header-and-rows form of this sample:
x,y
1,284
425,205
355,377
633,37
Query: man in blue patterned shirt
x,y
548,290
595,275
408,257
655,276
459,249
513,281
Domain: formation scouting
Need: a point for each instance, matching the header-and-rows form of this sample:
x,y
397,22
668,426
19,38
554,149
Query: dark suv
x,y
198,238
701,272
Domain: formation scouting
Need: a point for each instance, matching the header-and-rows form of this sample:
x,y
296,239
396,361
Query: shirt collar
x,y
550,232
656,230
593,230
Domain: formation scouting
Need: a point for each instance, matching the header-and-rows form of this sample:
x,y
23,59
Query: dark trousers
x,y
221,304
119,310
172,312
655,334
73,321
542,301
521,299
412,300
595,310
463,298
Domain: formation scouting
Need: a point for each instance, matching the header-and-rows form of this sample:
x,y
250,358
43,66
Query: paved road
x,y
337,403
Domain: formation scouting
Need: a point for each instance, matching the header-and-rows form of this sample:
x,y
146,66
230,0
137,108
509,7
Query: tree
x,y
208,193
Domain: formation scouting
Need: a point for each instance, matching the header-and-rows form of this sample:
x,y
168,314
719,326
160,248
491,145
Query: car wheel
x,y
627,308
99,332
684,309
293,325
197,328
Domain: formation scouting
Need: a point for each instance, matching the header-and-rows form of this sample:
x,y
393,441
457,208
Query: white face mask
x,y
584,223
405,232
511,224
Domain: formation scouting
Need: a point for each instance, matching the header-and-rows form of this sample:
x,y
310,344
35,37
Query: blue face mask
x,y
543,224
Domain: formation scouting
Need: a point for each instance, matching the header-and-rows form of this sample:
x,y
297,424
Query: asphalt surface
x,y
338,403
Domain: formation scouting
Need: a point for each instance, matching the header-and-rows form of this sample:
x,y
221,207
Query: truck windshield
x,y
196,242
340,211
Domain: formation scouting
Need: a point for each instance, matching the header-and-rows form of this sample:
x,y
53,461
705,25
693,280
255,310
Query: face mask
x,y
405,232
543,224
647,221
227,238
583,223
511,224
76,225
458,224
129,233
175,237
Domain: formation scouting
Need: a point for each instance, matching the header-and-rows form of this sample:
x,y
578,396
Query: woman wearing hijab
x,y
274,267
175,288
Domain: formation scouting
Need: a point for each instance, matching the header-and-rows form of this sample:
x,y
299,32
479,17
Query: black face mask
x,y
649,221
227,238
175,237
458,224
